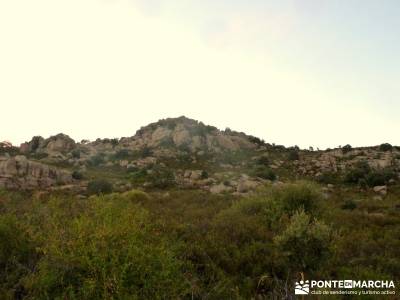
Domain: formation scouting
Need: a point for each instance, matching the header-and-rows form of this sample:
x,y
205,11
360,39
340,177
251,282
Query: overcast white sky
x,y
306,72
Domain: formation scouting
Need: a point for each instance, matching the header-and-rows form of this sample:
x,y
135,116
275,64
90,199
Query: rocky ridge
x,y
182,152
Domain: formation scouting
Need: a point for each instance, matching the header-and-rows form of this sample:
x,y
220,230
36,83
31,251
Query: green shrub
x,y
349,204
35,143
364,175
263,207
204,174
122,154
97,159
256,140
294,197
138,176
109,251
145,152
264,172
161,178
77,175
17,257
357,173
136,196
99,186
263,160
156,177
114,142
76,153
293,155
327,177
375,178
310,239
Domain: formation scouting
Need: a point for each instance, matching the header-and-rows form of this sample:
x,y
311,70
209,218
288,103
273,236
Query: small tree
x,y
114,142
347,148
385,147
293,155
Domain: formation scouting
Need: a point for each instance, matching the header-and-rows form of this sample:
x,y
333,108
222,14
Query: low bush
x,y
156,177
364,175
263,160
327,177
122,154
77,175
295,197
357,173
349,204
97,160
161,178
76,153
293,155
204,174
264,172
136,196
99,186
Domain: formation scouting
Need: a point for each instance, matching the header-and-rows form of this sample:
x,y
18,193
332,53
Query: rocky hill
x,y
184,153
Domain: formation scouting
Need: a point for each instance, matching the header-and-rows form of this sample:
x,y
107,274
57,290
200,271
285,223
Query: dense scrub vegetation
x,y
192,245
364,175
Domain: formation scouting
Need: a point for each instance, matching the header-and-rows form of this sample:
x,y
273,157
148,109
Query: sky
x,y
319,73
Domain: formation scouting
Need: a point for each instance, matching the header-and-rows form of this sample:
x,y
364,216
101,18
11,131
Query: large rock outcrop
x,y
335,161
188,134
54,145
20,173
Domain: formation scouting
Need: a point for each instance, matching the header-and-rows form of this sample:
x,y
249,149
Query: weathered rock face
x,y
184,132
181,136
59,143
20,173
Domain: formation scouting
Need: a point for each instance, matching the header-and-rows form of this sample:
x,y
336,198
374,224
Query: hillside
x,y
182,210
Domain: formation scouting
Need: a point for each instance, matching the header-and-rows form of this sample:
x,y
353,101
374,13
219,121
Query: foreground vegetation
x,y
188,244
